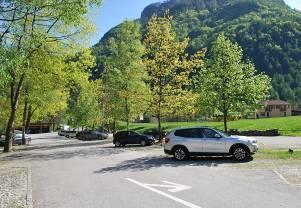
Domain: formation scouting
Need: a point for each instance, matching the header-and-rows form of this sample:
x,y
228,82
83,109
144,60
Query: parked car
x,y
91,135
62,132
123,138
70,134
185,142
154,133
17,138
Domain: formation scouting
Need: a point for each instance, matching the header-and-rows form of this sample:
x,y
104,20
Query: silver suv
x,y
199,141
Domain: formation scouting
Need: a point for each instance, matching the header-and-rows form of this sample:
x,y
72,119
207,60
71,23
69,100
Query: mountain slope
x,y
268,31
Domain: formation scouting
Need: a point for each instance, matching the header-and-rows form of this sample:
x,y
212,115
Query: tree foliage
x,y
28,28
169,69
124,91
83,104
227,84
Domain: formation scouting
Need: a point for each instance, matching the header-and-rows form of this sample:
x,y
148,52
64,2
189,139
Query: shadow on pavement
x,y
58,146
147,163
62,151
64,154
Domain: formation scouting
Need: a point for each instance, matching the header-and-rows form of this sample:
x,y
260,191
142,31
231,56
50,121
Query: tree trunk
x,y
103,113
14,98
127,114
15,90
225,121
159,128
28,119
25,115
9,131
159,117
114,127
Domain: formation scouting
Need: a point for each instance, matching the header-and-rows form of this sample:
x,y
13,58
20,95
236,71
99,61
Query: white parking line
x,y
172,187
284,179
181,201
281,177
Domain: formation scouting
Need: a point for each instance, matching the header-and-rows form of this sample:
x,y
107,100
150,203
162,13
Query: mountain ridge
x,y
269,32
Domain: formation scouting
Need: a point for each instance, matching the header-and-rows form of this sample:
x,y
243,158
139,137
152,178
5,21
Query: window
x,y
209,133
123,133
283,108
132,133
86,132
270,108
188,133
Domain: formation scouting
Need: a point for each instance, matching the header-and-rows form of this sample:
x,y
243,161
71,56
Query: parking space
x,y
100,175
136,179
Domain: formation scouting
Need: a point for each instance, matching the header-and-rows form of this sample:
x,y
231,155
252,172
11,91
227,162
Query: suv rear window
x,y
188,133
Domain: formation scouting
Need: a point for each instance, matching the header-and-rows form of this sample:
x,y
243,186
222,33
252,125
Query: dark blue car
x,y
123,138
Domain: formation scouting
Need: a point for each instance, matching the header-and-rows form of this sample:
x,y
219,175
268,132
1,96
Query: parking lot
x,y
68,173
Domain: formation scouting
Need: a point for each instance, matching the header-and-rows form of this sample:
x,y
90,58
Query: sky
x,y
114,12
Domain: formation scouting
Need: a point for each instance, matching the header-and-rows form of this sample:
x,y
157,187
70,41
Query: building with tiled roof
x,y
274,108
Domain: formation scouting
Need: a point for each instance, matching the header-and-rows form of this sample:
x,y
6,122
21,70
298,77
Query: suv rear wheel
x,y
240,153
180,153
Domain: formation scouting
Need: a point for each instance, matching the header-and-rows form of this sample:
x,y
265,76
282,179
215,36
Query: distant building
x,y
39,128
274,108
296,110
142,118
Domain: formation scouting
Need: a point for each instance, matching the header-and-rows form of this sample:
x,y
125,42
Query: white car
x,y
70,134
199,141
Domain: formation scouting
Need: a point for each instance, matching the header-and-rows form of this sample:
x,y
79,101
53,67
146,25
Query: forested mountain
x,y
269,32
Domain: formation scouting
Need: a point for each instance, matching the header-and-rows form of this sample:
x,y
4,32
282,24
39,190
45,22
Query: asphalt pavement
x,y
281,142
69,174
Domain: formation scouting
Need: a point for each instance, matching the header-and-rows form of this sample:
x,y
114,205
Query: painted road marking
x,y
284,179
173,189
281,177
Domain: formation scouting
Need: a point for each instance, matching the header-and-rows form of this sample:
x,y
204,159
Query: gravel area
x,y
13,188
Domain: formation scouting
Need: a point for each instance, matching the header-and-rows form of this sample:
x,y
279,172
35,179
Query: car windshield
x,y
133,133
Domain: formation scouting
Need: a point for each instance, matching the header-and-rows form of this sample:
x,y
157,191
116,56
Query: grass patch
x,y
277,154
287,126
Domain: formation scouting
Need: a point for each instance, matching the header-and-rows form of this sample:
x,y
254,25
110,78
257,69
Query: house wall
x,y
275,111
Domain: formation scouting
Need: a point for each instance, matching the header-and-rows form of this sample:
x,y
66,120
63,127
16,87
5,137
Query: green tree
x,y
30,26
124,76
83,104
84,110
169,69
227,83
44,93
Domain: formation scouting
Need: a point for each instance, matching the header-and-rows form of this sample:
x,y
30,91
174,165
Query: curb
x,y
29,190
